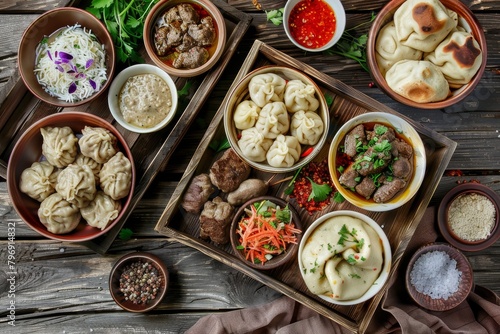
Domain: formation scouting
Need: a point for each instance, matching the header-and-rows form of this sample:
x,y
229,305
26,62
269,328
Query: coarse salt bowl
x,y
323,23
240,94
46,25
338,162
146,93
215,49
333,265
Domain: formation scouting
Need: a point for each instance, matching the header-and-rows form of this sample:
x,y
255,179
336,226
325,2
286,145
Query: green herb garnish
x,y
275,16
291,185
319,192
125,234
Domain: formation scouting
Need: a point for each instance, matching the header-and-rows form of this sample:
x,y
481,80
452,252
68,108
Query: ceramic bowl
x,y
215,50
121,79
45,25
403,130
125,262
466,19
447,231
240,93
386,248
28,149
464,286
278,260
339,20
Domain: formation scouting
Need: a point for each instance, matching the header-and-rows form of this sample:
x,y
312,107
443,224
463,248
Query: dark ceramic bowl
x,y
278,260
45,25
117,271
466,20
28,149
443,222
465,285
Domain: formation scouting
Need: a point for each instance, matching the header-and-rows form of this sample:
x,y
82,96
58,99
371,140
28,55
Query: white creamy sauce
x,y
340,265
145,100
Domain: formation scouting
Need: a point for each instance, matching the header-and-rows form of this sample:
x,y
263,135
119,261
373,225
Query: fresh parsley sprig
x,y
319,192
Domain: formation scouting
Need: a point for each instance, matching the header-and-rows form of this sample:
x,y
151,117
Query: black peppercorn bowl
x,y
143,277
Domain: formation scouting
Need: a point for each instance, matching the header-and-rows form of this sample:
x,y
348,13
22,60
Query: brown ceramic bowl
x,y
464,287
47,24
215,50
443,213
278,260
118,270
28,149
466,20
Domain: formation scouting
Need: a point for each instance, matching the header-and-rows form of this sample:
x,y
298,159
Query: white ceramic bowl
x,y
404,129
386,267
119,81
340,18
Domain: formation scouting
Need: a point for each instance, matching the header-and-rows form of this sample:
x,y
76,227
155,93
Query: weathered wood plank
x,y
21,6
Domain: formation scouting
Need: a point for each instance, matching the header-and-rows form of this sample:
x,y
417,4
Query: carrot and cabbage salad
x,y
265,231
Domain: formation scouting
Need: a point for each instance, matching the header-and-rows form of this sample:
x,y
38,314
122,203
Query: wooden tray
x,y
399,224
151,151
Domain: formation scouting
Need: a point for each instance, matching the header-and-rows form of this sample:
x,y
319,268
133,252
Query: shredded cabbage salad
x,y
71,66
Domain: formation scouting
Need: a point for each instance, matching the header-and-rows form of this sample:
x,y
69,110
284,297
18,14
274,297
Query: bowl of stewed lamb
x,y
185,38
377,161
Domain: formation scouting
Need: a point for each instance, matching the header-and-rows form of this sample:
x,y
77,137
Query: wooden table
x,y
63,287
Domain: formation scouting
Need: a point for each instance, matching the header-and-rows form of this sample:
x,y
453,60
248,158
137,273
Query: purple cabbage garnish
x,y
50,56
92,83
65,56
89,63
72,88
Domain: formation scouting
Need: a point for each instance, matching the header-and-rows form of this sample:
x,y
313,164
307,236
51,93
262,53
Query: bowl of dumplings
x,y
71,176
427,54
276,119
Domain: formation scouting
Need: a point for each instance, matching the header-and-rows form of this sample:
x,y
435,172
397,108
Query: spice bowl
x,y
468,217
439,277
259,205
149,275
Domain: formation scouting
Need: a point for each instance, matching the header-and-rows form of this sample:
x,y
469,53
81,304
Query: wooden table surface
x,y
63,288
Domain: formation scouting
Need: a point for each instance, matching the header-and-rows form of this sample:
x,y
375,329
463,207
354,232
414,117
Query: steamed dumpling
x,y
116,176
254,145
389,50
284,152
300,96
458,57
98,144
58,215
418,80
423,24
246,114
307,127
265,88
77,185
101,211
82,160
59,145
39,180
273,120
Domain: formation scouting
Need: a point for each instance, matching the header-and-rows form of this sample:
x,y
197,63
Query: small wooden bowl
x,y
444,226
465,285
276,261
117,270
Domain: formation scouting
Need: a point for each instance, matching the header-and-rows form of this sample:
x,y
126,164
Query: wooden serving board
x,y
151,151
398,224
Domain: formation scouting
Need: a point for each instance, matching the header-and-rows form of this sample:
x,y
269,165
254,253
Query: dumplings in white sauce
x,y
58,215
101,211
39,180
265,88
273,120
246,114
77,185
116,176
59,145
98,144
300,96
284,152
307,127
254,145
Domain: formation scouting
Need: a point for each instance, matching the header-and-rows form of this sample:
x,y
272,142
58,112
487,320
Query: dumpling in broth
x,y
266,87
58,215
116,176
77,185
423,24
307,127
59,145
246,114
98,144
284,152
254,145
39,180
300,96
101,211
273,120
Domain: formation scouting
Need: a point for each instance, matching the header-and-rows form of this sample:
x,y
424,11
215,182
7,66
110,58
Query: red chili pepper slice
x,y
307,152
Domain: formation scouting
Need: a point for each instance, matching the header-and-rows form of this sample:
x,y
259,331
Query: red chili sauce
x,y
312,23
